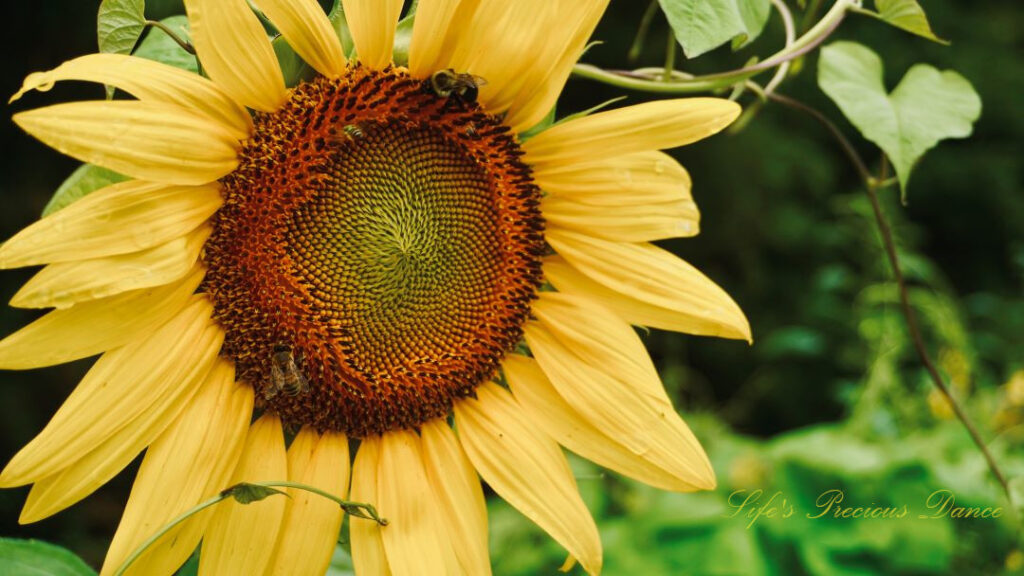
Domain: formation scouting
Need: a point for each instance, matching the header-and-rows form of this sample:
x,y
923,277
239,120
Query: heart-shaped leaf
x,y
702,25
927,105
119,24
32,557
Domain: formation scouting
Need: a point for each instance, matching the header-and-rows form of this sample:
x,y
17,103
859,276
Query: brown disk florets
x,y
376,254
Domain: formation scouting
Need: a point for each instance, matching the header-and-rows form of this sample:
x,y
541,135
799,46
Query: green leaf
x,y
755,16
245,493
293,67
157,45
35,558
86,179
340,24
119,25
927,105
906,15
702,25
403,36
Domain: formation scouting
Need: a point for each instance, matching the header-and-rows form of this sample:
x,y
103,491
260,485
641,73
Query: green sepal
x,y
245,493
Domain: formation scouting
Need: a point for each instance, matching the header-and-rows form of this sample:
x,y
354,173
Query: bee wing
x,y
303,383
479,80
276,374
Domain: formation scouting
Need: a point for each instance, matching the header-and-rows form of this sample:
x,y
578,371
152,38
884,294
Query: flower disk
x,y
384,237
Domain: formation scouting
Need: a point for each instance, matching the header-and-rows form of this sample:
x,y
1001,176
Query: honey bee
x,y
285,375
458,86
353,131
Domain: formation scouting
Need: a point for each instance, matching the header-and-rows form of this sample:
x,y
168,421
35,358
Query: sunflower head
x,y
391,240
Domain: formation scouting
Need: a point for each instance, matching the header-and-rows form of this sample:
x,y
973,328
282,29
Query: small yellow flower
x,y
939,405
362,257
1015,389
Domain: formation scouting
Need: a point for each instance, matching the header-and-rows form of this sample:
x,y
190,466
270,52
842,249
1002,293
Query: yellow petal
x,y
553,62
89,328
123,384
432,25
648,126
544,406
84,475
373,23
590,357
236,53
240,538
632,223
688,300
650,177
188,464
368,555
498,41
308,31
527,469
122,218
415,539
149,80
525,50
157,142
309,531
67,283
460,499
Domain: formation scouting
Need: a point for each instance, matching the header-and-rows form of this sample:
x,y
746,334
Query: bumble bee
x,y
454,85
285,375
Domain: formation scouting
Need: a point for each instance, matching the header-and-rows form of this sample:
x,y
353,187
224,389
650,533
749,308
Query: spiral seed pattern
x,y
388,237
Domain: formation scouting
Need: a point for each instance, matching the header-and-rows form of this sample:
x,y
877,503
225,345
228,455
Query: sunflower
x,y
376,254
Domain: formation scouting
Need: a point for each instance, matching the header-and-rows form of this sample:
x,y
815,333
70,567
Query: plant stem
x,y
851,152
919,346
352,508
670,57
815,36
173,35
787,23
167,528
872,184
641,31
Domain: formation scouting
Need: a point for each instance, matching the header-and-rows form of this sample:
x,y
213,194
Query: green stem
x,y
167,528
641,32
173,35
352,508
787,23
670,57
919,345
710,82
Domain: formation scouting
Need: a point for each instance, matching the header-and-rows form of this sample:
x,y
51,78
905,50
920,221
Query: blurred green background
x,y
830,397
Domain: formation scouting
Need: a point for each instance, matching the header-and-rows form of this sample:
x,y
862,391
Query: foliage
x,y
35,558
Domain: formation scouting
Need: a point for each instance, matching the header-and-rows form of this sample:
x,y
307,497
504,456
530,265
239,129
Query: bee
x,y
285,375
458,86
353,131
